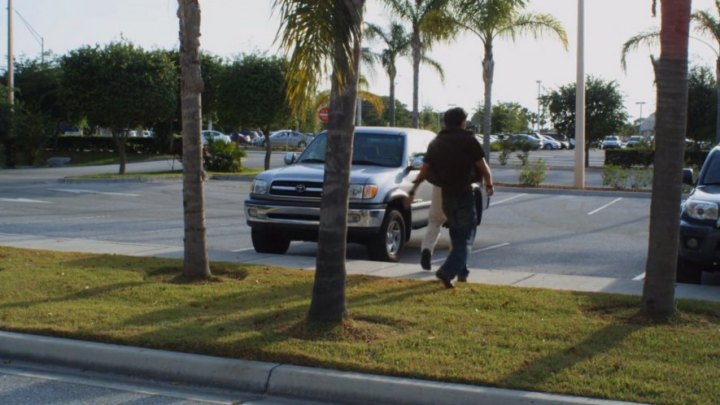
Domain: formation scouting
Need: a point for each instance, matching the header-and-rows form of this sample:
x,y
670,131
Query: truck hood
x,y
314,172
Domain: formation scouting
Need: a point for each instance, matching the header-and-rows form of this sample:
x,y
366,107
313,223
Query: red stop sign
x,y
324,115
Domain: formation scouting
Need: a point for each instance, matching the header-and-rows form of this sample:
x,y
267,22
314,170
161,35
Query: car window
x,y
711,170
368,149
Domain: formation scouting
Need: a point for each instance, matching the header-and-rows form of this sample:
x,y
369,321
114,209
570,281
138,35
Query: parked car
x,y
561,139
286,138
548,142
214,136
284,203
524,140
633,141
611,142
699,232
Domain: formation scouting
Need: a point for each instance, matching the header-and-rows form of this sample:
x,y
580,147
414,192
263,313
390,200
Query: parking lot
x,y
559,232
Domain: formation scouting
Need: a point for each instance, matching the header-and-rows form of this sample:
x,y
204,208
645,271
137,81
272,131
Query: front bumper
x,y
368,217
700,244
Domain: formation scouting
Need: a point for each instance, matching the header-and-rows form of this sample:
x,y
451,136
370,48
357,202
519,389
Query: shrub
x,y
621,178
224,157
532,174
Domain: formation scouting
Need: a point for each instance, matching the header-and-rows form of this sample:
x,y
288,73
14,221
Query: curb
x,y
266,378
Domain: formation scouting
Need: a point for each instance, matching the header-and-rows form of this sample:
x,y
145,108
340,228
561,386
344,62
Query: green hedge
x,y
644,157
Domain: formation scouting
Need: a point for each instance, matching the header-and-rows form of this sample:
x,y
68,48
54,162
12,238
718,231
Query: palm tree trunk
x,y
120,142
672,84
392,101
195,263
488,73
416,76
717,98
328,297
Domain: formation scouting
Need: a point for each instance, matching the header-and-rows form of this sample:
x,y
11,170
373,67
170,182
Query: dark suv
x,y
700,222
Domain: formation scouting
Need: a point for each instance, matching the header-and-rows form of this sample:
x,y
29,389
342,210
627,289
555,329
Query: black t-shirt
x,y
451,157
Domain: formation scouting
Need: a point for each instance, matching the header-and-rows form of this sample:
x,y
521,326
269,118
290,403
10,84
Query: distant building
x,y
647,126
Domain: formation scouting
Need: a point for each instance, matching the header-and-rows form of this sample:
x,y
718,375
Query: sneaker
x,y
425,257
445,280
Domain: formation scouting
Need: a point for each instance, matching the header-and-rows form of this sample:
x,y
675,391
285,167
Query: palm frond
x,y
435,65
707,24
535,25
649,38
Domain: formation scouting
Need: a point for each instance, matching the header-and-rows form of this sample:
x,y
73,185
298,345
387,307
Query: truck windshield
x,y
368,149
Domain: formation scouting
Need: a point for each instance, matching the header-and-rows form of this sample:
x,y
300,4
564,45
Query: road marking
x,y
81,191
242,250
605,206
25,200
507,199
640,276
499,245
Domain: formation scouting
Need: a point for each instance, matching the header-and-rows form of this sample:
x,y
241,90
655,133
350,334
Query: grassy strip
x,y
594,345
101,158
169,174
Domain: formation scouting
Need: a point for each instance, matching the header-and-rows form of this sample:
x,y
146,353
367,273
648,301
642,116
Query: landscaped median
x,y
594,345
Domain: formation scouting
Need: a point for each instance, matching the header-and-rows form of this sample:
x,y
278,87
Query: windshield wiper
x,y
366,162
312,160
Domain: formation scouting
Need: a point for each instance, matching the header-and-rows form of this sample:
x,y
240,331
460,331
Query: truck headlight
x,y
363,191
701,210
259,187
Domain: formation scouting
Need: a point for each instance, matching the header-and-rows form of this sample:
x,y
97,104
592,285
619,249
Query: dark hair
x,y
454,117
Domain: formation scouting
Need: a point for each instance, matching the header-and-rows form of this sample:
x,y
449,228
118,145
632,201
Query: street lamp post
x,y
640,103
580,101
10,76
539,83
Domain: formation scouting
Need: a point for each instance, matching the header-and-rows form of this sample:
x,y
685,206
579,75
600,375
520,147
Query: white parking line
x,y
25,200
242,250
605,206
499,245
507,199
640,276
82,191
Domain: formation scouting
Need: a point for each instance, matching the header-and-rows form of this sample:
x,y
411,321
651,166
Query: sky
x,y
234,27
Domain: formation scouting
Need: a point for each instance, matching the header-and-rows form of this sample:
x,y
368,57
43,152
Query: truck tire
x,y
687,272
269,242
389,242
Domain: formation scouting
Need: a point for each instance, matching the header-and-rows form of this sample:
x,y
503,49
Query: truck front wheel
x,y
269,242
388,243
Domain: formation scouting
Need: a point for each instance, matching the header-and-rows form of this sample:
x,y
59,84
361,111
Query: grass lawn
x,y
574,343
101,158
169,174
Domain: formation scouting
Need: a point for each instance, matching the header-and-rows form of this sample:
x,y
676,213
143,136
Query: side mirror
x,y
290,158
417,162
687,177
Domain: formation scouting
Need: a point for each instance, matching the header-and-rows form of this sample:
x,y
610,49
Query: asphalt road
x,y
558,232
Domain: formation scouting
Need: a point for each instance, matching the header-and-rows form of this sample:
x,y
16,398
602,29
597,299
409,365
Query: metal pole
x,y
10,78
539,83
580,101
640,103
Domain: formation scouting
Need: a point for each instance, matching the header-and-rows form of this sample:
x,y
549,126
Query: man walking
x,y
456,160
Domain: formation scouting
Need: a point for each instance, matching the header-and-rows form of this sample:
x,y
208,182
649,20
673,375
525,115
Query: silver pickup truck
x,y
284,203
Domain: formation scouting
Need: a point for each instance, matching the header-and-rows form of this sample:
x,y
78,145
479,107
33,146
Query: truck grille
x,y
307,189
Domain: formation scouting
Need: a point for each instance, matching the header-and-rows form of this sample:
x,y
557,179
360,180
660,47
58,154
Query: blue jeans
x,y
459,208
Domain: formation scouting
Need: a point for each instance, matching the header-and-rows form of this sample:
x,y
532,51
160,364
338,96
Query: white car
x,y
214,136
612,142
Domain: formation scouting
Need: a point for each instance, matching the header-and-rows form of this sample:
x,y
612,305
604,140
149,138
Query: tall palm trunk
x,y
328,297
392,100
672,94
488,73
717,101
416,55
196,257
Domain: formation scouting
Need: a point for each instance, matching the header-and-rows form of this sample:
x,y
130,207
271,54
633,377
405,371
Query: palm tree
x,y
671,74
196,263
431,21
493,19
318,33
398,42
705,23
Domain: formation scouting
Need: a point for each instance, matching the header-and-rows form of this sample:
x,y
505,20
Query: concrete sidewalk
x,y
295,381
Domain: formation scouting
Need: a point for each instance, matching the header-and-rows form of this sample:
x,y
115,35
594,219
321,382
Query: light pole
x,y
580,101
539,83
10,78
640,103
